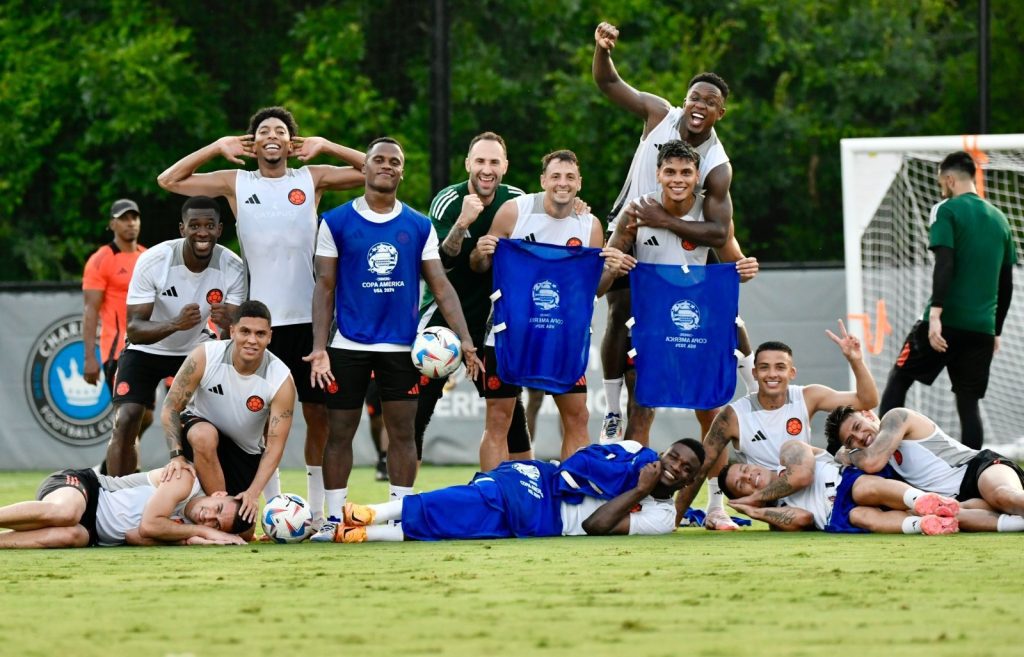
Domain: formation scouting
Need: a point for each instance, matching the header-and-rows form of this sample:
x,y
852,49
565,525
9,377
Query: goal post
x,y
889,188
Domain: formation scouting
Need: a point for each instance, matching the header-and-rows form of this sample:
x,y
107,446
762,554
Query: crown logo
x,y
76,390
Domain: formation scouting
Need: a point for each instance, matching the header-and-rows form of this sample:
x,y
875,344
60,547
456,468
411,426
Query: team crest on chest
x,y
898,457
382,258
214,296
688,245
574,241
255,403
794,426
296,197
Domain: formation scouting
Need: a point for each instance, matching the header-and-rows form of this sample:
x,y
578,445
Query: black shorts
x,y
291,344
109,373
981,462
620,283
139,373
86,483
491,386
397,378
372,399
966,359
239,467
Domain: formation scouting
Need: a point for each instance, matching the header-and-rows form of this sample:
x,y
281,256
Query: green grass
x,y
692,593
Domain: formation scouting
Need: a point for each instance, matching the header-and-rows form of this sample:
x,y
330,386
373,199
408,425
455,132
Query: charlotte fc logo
x,y
382,258
68,408
545,295
686,315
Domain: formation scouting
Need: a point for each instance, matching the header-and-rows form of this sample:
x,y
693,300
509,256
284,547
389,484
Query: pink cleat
x,y
933,504
719,520
935,525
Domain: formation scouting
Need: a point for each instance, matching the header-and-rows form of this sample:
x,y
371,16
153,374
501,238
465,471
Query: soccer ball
x,y
437,352
287,518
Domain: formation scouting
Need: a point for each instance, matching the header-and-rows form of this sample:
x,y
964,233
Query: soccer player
x,y
461,214
924,456
104,290
533,498
79,508
972,285
759,424
276,210
678,165
549,218
815,493
694,123
177,287
370,255
222,398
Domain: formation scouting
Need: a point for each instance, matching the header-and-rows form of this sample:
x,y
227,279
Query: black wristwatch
x,y
175,453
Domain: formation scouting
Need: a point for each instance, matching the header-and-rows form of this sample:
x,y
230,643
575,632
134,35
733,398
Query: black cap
x,y
123,205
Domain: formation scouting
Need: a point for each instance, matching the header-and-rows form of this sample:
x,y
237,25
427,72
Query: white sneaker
x,y
719,520
327,532
611,429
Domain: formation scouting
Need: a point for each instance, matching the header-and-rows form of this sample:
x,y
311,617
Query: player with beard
x,y
694,123
276,210
176,288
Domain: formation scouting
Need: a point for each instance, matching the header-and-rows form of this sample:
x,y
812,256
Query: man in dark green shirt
x,y
972,285
461,214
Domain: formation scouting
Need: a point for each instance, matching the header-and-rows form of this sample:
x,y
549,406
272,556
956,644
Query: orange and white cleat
x,y
933,504
935,525
718,520
348,534
358,515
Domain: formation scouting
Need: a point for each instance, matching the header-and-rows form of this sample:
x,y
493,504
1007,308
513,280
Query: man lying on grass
x,y
78,508
622,488
815,492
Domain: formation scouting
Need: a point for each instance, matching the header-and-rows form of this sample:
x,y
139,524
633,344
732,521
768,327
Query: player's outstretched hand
x,y
306,148
745,509
226,539
175,467
649,477
487,244
248,504
606,35
234,148
473,364
320,375
749,501
747,268
848,344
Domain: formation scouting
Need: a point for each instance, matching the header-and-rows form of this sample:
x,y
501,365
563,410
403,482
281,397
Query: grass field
x,y
692,593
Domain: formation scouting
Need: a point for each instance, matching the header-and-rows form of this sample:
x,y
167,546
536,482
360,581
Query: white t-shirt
x,y
161,278
237,405
936,463
653,517
326,247
277,226
820,496
763,431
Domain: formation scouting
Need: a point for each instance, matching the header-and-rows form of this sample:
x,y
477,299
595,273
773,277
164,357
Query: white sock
x,y
745,368
715,497
398,492
387,512
315,490
613,393
1008,523
910,497
912,525
273,487
385,533
336,499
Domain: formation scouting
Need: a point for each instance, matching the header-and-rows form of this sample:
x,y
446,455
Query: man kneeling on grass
x,y
815,492
622,488
78,508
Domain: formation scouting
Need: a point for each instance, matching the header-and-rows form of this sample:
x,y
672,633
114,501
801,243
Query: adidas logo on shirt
x,y
653,241
217,389
253,200
170,292
122,272
530,238
758,436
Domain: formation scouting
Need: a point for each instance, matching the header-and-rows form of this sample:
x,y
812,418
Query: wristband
x,y
175,453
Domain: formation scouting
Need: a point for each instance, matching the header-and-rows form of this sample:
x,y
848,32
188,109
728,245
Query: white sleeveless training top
x,y
534,224
237,405
120,511
277,228
935,464
661,246
762,432
820,496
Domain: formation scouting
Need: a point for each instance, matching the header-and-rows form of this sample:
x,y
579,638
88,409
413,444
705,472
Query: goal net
x,y
889,188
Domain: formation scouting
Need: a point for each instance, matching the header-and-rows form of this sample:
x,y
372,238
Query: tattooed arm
x,y
725,428
186,381
896,425
787,518
797,459
282,407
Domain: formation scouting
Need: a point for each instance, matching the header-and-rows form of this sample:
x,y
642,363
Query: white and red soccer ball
x,y
286,518
437,352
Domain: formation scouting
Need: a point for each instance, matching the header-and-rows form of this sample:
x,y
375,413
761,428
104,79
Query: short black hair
x,y
959,162
679,149
200,203
252,308
713,79
275,112
240,525
694,446
835,420
563,155
722,476
488,136
772,345
384,140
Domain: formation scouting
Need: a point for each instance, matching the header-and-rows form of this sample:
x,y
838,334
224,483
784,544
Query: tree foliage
x,y
100,96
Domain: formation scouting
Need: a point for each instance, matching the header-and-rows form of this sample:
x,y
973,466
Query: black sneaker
x,y
382,470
